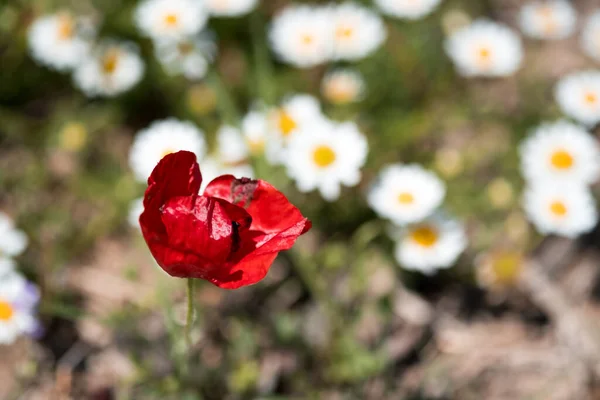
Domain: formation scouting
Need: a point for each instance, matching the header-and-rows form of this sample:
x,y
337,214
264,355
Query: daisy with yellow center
x,y
189,57
343,86
430,245
578,95
500,269
255,130
406,193
560,152
548,19
170,19
358,31
563,209
324,155
18,300
485,48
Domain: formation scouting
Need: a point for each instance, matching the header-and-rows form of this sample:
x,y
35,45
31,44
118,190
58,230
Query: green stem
x,y
262,60
190,311
225,103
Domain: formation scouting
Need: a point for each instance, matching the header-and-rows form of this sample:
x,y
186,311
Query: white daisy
x,y
161,138
323,155
55,41
358,31
12,240
578,95
188,56
551,19
430,245
211,167
485,48
18,299
136,207
7,265
255,126
283,122
231,145
115,67
343,86
409,9
406,193
590,36
563,209
229,8
170,19
302,35
560,151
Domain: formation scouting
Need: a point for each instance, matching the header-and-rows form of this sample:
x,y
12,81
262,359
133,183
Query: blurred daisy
x,y
343,86
590,36
552,19
229,8
406,193
12,240
212,167
566,210
325,155
485,48
56,41
578,95
170,19
7,265
560,151
161,138
231,145
409,9
302,35
254,128
430,245
189,57
283,122
136,207
500,269
358,31
113,68
18,300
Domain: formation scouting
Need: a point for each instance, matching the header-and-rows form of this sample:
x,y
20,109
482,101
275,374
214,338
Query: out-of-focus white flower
x,y
302,35
432,244
113,68
231,146
188,56
499,269
578,95
170,19
255,127
294,113
406,193
161,138
324,155
563,209
136,207
7,265
12,240
56,41
343,86
229,8
560,151
212,167
553,19
358,31
485,48
590,36
18,299
408,9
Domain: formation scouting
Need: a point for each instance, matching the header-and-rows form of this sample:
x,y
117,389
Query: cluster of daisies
x,y
18,297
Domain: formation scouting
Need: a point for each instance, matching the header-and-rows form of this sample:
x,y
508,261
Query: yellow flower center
x,y
171,20
425,236
339,91
406,198
558,208
307,39
591,98
66,27
506,267
6,311
286,123
546,16
256,145
484,56
344,32
323,156
110,61
561,159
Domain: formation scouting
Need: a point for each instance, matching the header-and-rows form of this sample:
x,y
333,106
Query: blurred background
x,y
336,317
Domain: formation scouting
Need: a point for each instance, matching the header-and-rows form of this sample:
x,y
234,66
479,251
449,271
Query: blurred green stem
x,y
190,311
225,103
262,62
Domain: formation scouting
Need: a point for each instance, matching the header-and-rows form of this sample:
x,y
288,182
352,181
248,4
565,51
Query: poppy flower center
x,y
591,98
171,20
286,123
344,32
424,236
323,156
506,267
406,198
66,27
110,61
561,159
6,311
558,208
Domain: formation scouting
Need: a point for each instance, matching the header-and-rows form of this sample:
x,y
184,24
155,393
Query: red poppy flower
x,y
229,236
